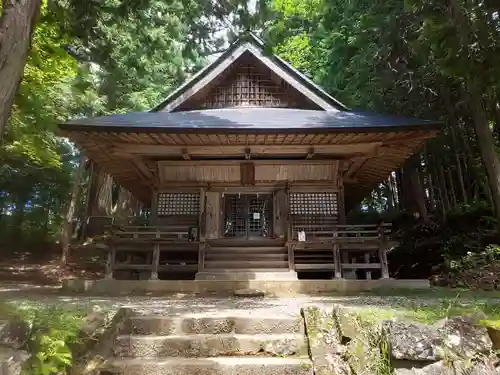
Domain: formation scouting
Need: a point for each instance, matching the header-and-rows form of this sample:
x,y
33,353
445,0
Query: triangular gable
x,y
221,77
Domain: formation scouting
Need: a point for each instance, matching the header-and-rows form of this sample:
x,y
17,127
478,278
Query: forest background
x,y
431,59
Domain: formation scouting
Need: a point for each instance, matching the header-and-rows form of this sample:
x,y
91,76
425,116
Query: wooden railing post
x,y
383,252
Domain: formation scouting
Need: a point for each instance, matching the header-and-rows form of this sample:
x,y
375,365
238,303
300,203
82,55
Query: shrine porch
x,y
176,252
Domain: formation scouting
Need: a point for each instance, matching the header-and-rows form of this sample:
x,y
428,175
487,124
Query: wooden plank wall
x,y
265,171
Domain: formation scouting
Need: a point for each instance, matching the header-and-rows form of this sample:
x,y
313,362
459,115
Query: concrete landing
x,y
276,288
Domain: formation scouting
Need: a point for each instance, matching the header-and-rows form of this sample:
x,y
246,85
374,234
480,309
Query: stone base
x,y
246,275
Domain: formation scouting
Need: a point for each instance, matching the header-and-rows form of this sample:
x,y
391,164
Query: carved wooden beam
x,y
354,167
142,168
347,150
185,154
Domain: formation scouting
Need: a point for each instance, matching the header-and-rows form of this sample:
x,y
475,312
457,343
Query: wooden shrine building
x,y
249,169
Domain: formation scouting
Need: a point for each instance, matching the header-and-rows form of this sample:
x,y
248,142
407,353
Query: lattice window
x,y
249,87
315,204
178,204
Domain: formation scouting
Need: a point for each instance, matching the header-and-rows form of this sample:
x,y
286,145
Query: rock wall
x,y
343,342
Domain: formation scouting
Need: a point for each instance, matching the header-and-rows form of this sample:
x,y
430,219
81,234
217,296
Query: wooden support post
x,y
110,265
201,256
156,259
201,218
383,253
368,272
291,258
337,261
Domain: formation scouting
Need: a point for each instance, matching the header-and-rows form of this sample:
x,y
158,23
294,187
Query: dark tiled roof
x,y
247,119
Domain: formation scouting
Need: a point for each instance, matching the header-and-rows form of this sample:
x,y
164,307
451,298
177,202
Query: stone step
x,y
211,366
249,325
196,346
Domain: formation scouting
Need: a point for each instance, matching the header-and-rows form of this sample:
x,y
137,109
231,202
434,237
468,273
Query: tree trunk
x,y
418,192
67,229
17,23
458,162
430,185
485,139
452,187
18,216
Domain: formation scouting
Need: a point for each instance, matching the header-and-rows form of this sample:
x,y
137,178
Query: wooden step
x,y
239,264
250,256
247,250
243,270
225,242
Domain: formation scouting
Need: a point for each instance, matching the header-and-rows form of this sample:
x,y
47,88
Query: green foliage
x,y
91,58
54,330
58,330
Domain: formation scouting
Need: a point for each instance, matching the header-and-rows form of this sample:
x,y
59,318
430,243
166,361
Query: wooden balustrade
x,y
152,249
338,248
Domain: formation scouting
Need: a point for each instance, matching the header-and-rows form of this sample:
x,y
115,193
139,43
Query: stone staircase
x,y
211,345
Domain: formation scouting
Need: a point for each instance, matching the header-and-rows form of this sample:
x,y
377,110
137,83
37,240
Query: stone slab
x,y
195,346
250,325
212,366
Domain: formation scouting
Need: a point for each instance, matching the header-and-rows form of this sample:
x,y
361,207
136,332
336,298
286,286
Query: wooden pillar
x,y
212,215
154,208
201,230
201,218
341,205
280,214
383,253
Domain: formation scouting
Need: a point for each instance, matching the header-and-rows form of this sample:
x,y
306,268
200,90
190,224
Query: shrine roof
x,y
248,119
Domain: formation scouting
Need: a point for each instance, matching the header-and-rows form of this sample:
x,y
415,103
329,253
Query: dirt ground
x,y
43,268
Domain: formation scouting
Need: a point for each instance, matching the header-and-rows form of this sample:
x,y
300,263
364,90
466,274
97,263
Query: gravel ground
x,y
188,304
